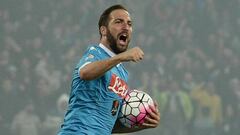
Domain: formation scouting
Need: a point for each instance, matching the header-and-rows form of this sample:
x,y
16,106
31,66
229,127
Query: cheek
x,y
130,33
115,30
113,33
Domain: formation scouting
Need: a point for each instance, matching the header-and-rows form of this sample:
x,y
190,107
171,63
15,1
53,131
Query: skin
x,y
119,23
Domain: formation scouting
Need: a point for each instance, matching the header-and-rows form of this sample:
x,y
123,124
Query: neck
x,y
105,43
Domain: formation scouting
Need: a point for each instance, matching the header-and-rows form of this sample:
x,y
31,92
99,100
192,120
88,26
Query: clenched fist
x,y
134,54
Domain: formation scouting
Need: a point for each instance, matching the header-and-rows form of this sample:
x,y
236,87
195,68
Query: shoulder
x,y
92,53
94,49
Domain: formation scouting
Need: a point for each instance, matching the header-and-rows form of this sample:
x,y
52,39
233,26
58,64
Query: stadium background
x,y
191,64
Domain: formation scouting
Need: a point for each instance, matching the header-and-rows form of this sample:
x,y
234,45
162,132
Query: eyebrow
x,y
120,19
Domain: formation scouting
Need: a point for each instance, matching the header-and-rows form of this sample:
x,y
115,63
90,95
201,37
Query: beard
x,y
113,43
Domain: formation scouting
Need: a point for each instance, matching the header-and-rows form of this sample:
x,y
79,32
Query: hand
x,y
134,54
153,119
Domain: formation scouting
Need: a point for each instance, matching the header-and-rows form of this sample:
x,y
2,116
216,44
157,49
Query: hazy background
x,y
191,65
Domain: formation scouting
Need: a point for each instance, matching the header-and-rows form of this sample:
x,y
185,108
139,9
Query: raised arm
x,y
96,69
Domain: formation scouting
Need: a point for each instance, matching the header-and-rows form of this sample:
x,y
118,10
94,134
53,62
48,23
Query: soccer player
x,y
99,80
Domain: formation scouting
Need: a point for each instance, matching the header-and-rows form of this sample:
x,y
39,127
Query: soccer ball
x,y
135,108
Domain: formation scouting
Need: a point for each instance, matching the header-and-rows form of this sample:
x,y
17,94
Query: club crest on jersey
x,y
114,107
90,56
118,86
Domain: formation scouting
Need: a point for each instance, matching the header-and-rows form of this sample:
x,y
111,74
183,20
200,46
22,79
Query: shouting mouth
x,y
123,39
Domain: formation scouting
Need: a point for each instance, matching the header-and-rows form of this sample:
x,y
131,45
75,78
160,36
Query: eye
x,y
118,21
129,23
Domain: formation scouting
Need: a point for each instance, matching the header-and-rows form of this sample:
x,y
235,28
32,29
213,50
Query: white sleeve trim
x,y
83,66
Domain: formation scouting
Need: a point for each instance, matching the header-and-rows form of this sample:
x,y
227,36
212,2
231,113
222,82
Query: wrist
x,y
118,58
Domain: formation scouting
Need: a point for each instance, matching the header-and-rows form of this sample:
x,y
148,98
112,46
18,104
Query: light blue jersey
x,y
94,105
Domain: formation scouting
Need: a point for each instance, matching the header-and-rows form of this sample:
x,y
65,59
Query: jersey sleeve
x,y
92,54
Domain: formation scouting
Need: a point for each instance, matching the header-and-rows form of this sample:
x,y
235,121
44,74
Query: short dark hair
x,y
104,18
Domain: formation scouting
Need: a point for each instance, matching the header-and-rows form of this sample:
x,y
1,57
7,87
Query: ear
x,y
103,30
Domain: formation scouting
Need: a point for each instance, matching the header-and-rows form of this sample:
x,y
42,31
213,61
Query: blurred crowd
x,y
191,65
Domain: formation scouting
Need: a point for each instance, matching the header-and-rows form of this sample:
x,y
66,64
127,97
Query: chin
x,y
122,49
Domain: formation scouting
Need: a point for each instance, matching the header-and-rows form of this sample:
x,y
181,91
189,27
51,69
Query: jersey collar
x,y
109,52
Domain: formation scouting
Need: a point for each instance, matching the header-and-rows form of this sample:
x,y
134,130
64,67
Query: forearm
x,y
126,130
119,128
96,69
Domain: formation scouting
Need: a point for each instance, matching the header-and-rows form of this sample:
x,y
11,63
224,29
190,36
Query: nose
x,y
126,26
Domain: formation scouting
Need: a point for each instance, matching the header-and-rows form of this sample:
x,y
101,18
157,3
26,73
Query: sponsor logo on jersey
x,y
118,86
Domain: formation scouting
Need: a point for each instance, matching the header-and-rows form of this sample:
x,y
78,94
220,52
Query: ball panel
x,y
135,111
141,117
133,94
132,119
140,95
133,99
134,104
128,110
142,108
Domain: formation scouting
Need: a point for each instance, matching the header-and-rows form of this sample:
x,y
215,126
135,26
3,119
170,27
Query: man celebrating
x,y
99,80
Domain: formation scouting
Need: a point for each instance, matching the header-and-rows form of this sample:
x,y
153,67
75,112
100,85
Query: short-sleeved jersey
x,y
94,105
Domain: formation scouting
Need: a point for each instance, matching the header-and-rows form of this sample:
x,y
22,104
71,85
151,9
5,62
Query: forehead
x,y
120,13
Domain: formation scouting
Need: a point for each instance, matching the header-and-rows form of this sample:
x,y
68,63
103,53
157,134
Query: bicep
x,y
88,58
82,66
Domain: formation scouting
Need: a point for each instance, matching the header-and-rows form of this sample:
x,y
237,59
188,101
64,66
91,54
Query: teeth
x,y
125,35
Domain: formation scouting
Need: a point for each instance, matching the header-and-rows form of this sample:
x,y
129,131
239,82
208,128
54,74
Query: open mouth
x,y
123,38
